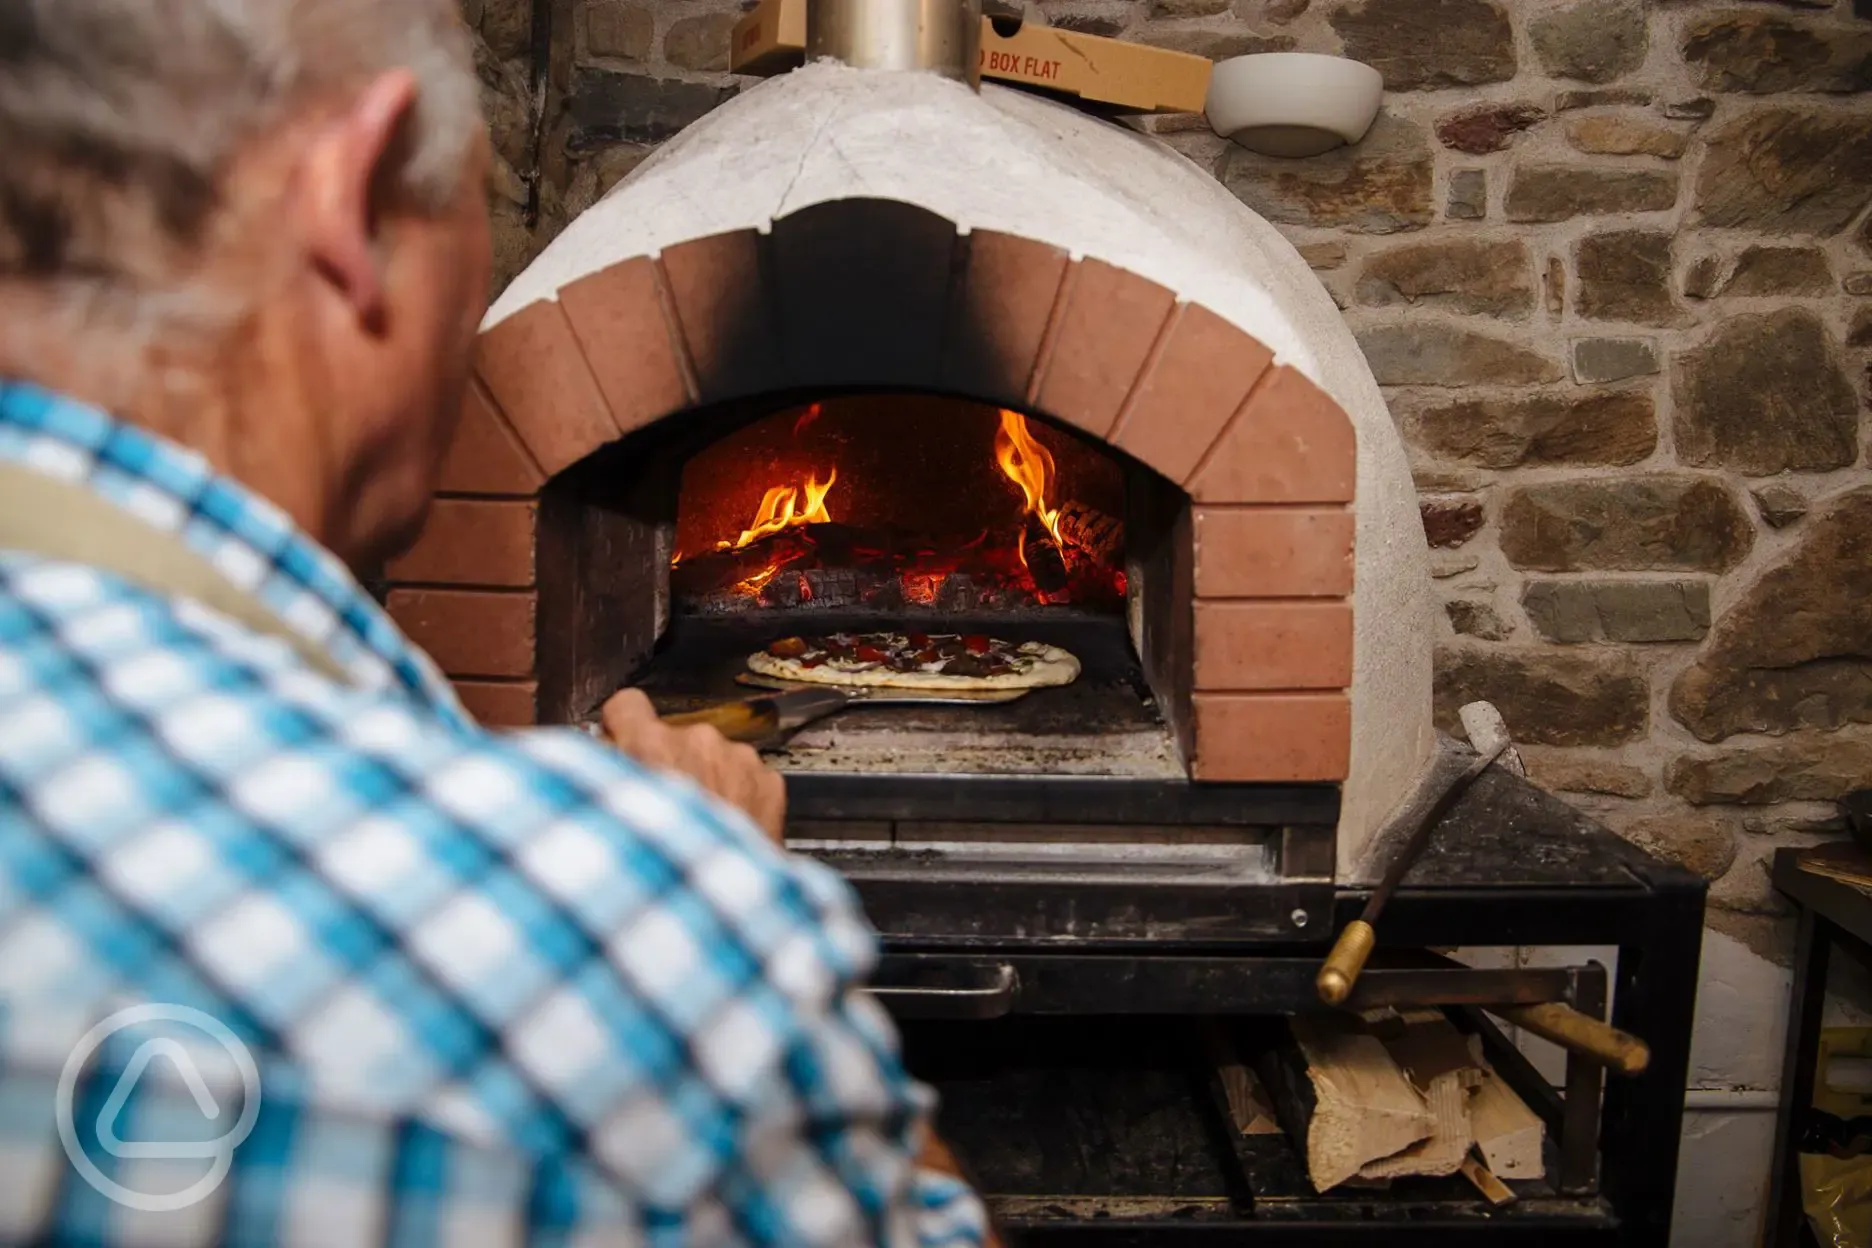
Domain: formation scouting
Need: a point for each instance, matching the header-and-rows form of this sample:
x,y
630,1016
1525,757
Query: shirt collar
x,y
250,541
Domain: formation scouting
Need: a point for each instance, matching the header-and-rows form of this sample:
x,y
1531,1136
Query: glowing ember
x,y
782,507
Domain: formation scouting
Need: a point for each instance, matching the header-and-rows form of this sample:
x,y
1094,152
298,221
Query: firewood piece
x,y
1436,1059
1100,536
1045,563
1496,1192
1338,1089
1248,1105
1508,1133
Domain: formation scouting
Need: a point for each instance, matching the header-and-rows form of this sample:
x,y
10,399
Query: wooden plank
x,y
1364,1108
1436,1059
1508,1133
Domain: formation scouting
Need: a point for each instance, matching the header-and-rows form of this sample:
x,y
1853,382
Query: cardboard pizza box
x,y
1126,77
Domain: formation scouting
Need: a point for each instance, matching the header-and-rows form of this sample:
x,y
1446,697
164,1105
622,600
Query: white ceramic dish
x,y
1293,103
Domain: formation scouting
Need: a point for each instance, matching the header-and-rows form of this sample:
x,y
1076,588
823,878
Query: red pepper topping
x,y
976,643
919,640
871,654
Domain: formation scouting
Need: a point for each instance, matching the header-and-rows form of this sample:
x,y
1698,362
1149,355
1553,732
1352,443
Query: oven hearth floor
x,y
1103,724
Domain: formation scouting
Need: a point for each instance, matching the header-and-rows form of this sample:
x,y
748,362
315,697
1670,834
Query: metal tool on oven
x,y
794,704
1565,1026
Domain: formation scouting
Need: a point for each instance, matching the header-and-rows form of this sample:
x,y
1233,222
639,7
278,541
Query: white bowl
x,y
1293,103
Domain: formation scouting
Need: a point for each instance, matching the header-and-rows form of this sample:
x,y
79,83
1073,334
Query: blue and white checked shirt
x,y
496,989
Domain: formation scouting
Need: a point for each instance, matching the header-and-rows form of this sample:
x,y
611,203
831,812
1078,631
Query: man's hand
x,y
731,771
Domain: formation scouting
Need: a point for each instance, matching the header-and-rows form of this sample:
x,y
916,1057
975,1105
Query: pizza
x,y
916,661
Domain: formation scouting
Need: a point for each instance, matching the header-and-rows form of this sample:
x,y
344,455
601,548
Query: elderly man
x,y
500,988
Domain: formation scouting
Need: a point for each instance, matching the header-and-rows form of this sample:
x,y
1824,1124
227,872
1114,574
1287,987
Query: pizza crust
x,y
1040,666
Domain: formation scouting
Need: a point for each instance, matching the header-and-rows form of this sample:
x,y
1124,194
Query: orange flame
x,y
784,506
1030,466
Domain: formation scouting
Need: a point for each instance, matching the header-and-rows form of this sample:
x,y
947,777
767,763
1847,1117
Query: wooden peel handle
x,y
752,720
1618,1051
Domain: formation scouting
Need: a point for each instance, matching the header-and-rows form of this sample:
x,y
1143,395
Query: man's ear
x,y
348,164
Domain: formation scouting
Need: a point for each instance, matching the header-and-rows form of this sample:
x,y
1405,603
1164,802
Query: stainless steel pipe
x,y
935,36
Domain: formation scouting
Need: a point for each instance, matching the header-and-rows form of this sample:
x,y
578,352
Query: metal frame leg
x,y
1655,998
1782,1219
1585,1079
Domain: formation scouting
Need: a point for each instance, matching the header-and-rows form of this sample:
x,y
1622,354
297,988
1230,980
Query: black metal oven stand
x,y
1080,1101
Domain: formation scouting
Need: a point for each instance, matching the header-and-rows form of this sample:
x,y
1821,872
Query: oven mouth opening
x,y
899,504
672,555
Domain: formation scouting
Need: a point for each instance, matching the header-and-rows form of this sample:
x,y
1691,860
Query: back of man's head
x,y
120,118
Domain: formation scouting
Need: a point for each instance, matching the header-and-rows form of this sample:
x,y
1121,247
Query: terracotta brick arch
x,y
865,292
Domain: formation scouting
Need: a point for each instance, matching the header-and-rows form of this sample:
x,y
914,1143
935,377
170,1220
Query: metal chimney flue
x,y
935,36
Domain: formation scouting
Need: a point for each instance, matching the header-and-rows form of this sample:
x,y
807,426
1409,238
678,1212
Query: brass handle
x,y
1343,964
1618,1051
753,720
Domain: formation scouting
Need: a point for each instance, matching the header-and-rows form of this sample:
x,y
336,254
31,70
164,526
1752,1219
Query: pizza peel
x,y
792,704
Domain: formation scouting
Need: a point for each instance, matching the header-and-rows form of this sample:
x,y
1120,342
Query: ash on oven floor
x,y
1103,724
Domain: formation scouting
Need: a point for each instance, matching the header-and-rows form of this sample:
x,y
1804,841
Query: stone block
x,y
1474,618
1768,54
1699,108
1379,186
1569,771
1858,284
507,25
1591,428
1766,394
1188,8
1421,45
1780,504
1613,359
1488,128
1786,171
1547,697
1795,652
1329,255
1468,195
1596,41
701,43
1860,334
1616,135
1763,271
1811,767
1625,275
1701,843
1544,193
1704,278
1625,611
1653,522
624,31
1492,278
1450,520
1427,353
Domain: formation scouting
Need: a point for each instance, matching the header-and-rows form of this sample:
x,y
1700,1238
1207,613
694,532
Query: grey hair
x,y
118,119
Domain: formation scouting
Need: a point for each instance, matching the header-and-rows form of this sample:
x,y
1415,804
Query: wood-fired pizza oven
x,y
873,347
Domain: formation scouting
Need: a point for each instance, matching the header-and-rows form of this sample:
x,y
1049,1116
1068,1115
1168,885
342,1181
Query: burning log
x,y
1100,536
1046,563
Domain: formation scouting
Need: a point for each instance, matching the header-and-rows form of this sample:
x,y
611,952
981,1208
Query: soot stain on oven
x,y
669,557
